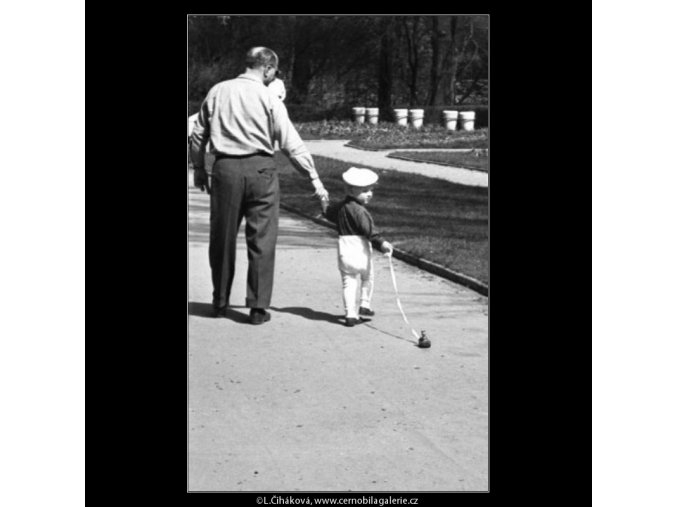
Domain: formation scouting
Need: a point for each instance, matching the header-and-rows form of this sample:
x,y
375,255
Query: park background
x,y
331,64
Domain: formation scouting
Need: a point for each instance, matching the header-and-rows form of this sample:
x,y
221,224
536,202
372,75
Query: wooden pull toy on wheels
x,y
423,341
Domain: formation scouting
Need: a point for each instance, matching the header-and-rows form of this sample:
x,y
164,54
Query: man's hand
x,y
325,204
320,192
387,249
201,179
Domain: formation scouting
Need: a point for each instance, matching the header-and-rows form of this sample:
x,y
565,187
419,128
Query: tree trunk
x,y
301,70
458,54
450,81
289,77
435,61
446,43
301,79
412,59
385,71
413,95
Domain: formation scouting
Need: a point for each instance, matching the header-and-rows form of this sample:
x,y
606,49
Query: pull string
x,y
397,296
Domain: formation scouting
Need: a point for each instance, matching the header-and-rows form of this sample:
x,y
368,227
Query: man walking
x,y
239,122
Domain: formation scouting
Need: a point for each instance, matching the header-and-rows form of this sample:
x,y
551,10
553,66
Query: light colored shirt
x,y
242,117
277,87
191,124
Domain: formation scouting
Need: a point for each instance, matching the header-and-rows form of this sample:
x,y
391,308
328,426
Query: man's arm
x,y
330,210
292,146
198,143
200,136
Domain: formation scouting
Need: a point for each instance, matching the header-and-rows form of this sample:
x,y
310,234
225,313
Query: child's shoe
x,y
350,322
366,311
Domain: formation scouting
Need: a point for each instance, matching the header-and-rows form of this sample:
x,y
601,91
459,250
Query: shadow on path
x,y
204,310
309,313
390,334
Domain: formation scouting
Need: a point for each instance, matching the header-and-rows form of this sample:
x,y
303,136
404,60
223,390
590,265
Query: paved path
x,y
379,159
303,403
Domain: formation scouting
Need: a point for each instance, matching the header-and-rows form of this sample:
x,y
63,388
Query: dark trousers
x,y
249,188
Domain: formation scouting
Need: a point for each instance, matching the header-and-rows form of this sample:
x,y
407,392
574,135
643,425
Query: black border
x,y
136,388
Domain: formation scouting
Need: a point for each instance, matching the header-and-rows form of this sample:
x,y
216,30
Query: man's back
x,y
240,116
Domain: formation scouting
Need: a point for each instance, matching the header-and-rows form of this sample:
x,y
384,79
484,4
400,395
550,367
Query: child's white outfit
x,y
356,237
277,87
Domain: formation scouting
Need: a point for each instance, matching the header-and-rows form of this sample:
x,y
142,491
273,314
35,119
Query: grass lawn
x,y
390,135
331,130
441,221
467,160
426,137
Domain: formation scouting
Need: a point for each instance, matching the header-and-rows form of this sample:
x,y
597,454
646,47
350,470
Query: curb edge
x,y
408,159
419,262
354,146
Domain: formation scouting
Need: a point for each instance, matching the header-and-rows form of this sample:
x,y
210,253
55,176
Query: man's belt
x,y
219,156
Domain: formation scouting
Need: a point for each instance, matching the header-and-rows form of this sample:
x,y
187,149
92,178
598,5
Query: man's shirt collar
x,y
251,77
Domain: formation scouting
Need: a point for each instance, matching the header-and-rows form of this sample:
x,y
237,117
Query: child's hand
x,y
387,249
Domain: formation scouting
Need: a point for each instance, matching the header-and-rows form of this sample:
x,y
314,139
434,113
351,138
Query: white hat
x,y
360,177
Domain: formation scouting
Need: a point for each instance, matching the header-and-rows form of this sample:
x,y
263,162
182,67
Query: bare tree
x,y
450,56
331,61
385,68
435,37
412,41
463,31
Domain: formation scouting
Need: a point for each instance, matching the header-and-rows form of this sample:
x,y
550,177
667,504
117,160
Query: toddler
x,y
356,235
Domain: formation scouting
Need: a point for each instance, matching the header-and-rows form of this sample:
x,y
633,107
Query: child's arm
x,y
366,225
387,248
381,244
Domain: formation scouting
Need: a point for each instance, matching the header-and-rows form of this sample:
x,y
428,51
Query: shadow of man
x,y
205,310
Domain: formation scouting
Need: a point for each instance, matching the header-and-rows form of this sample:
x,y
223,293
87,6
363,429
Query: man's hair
x,y
260,57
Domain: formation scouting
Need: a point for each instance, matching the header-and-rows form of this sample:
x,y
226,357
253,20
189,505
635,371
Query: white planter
x,y
467,120
401,116
358,114
372,115
449,118
416,118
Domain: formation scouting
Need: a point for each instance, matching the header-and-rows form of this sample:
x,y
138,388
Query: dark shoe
x,y
219,311
350,322
366,311
258,316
